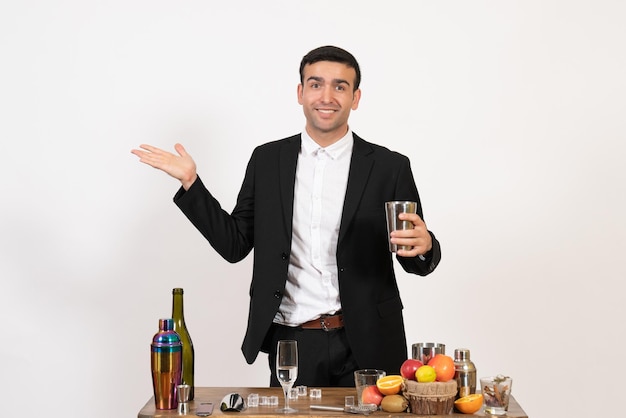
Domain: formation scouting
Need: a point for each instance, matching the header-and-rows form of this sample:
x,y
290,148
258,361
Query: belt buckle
x,y
323,323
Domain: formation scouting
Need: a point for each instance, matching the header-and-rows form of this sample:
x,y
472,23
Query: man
x,y
312,207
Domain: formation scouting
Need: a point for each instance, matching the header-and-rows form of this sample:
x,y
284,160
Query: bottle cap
x,y
166,324
461,354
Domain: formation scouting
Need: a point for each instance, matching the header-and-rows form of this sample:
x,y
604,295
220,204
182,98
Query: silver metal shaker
x,y
465,373
424,352
392,210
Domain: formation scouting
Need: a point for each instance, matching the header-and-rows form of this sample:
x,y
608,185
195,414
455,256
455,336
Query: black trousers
x,y
324,357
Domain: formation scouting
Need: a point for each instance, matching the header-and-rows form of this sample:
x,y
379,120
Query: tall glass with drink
x,y
287,369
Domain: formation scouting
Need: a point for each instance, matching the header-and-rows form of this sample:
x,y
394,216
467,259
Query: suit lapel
x,y
360,168
288,161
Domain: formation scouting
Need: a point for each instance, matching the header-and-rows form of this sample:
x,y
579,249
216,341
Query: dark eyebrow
x,y
335,81
341,81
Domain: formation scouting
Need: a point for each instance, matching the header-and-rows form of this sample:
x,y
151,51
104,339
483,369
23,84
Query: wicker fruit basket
x,y
435,398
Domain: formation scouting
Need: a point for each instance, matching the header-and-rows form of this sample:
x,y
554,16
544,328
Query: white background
x,y
512,113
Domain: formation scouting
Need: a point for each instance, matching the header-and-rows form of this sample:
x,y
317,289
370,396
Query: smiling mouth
x,y
326,111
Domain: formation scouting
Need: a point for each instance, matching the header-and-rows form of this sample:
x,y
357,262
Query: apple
x,y
409,367
371,395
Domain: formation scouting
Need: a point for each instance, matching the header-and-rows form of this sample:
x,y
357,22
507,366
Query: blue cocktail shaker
x,y
166,363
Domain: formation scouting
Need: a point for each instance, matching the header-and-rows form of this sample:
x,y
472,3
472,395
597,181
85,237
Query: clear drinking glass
x,y
287,369
364,378
496,393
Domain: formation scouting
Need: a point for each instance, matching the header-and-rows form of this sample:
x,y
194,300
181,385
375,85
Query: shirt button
x,y
284,256
277,294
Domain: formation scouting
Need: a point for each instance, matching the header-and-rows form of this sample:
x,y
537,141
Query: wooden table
x,y
330,396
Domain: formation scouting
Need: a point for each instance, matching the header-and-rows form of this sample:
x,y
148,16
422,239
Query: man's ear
x,y
300,93
356,99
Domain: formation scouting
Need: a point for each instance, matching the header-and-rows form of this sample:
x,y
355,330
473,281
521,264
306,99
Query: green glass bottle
x,y
181,329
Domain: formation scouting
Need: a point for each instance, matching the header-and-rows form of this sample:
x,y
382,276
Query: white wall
x,y
511,112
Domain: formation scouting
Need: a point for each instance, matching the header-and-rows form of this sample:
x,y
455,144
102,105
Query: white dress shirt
x,y
312,287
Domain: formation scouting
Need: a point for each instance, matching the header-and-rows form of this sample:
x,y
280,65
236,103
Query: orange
x,y
390,385
444,367
469,404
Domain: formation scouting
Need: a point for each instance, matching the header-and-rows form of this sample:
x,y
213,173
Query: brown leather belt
x,y
325,322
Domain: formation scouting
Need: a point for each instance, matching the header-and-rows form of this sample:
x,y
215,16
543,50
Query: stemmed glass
x,y
287,369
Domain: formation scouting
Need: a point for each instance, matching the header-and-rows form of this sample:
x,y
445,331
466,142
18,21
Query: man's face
x,y
327,95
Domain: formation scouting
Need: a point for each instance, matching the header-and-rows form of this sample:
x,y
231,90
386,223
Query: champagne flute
x,y
287,369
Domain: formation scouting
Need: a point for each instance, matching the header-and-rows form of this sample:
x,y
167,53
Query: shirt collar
x,y
309,146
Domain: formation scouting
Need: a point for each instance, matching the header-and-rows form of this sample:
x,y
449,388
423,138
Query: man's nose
x,y
327,94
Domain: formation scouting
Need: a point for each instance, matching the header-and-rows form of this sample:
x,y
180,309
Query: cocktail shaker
x,y
424,352
166,363
465,372
392,210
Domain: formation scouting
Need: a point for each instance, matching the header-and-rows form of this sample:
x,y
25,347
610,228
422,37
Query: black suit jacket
x,y
262,219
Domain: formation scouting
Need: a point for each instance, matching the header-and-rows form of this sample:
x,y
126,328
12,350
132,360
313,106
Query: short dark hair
x,y
334,54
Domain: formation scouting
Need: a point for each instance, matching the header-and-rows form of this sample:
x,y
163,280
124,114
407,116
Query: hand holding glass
x,y
394,223
287,369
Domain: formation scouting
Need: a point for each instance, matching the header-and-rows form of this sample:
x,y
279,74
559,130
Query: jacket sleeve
x,y
231,235
422,265
428,262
